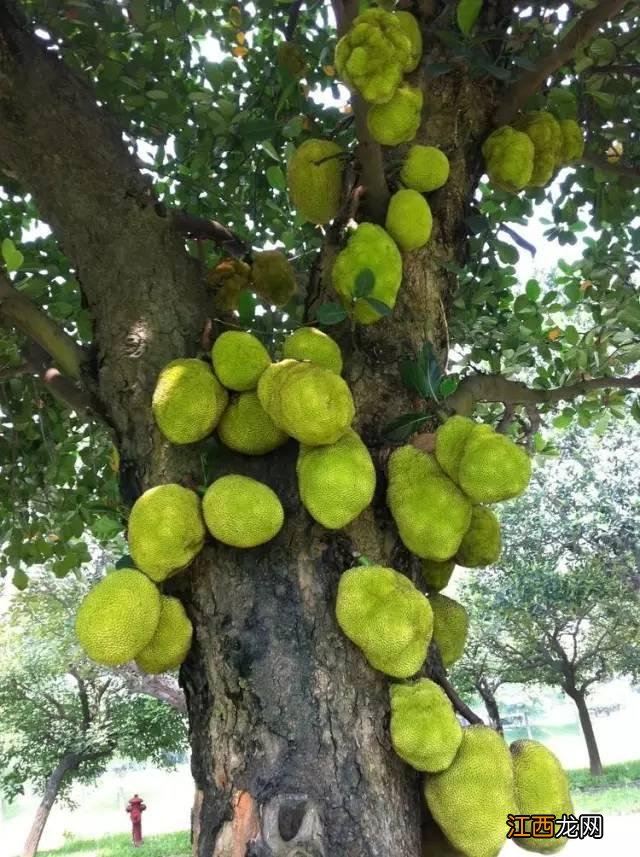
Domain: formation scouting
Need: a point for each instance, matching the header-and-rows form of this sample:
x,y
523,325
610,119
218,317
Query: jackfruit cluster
x,y
271,277
543,130
314,176
424,729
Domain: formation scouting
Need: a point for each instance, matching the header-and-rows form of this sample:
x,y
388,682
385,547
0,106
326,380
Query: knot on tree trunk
x,y
291,827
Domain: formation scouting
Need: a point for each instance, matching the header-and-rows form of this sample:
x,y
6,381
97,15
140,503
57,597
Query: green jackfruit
x,y
382,612
572,147
471,799
188,401
450,627
411,29
171,642
314,176
425,169
544,132
229,278
451,438
541,787
409,219
337,481
165,530
482,543
509,157
431,513
268,387
273,277
397,121
424,729
374,54
242,512
247,428
239,359
309,343
369,248
437,575
493,468
118,617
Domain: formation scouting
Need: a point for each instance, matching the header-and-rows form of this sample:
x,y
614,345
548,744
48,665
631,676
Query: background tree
x,y
182,164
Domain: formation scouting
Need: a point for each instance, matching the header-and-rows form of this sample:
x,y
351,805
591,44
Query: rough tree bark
x,y
288,724
66,764
487,693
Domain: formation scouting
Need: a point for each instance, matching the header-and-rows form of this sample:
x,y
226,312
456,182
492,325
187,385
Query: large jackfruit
x,y
171,642
450,627
247,428
239,359
165,530
188,401
425,169
368,248
544,132
482,543
471,799
436,575
309,343
493,468
398,120
424,729
411,28
118,617
509,158
541,787
314,176
273,277
572,147
409,219
382,612
336,481
430,511
242,512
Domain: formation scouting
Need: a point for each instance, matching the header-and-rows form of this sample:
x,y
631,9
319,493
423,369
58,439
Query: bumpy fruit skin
x,y
118,617
493,468
424,729
482,543
314,405
247,428
544,132
239,359
337,481
268,387
540,781
411,29
471,799
290,58
572,147
171,642
382,612
273,277
451,439
431,513
425,169
309,343
398,120
369,247
188,401
230,277
242,512
509,157
373,55
314,176
165,530
409,221
450,627
436,575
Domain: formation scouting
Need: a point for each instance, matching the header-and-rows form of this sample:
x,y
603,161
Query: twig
x,y
292,20
632,69
210,230
458,704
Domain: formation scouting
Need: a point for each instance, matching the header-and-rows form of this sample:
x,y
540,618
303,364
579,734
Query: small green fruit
x,y
171,642
239,359
247,428
309,343
450,627
409,220
425,169
188,401
242,512
398,120
482,543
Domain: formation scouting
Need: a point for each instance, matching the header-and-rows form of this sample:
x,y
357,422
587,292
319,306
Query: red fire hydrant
x,y
135,808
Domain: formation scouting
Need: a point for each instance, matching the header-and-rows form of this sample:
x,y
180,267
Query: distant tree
x,y
63,718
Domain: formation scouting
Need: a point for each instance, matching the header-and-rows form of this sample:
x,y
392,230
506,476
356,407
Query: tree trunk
x,y
491,704
595,764
67,764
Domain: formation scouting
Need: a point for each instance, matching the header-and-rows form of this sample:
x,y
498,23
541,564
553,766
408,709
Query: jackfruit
x,y
482,543
230,277
268,387
436,575
411,29
397,121
188,401
374,54
273,277
424,729
242,512
409,219
493,468
337,481
369,248
425,169
165,530
291,59
451,438
541,787
572,147
247,428
544,132
431,513
314,176
382,612
450,627
239,359
118,617
171,642
471,799
309,343
509,157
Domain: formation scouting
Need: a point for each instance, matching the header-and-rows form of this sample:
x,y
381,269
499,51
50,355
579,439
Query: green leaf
x,y
404,426
276,178
157,94
268,147
365,281
507,252
331,313
532,290
448,386
246,307
563,420
13,258
20,580
467,14
380,307
125,562
635,410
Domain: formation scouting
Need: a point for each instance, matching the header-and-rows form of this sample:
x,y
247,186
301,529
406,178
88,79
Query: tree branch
x,y
531,81
625,170
210,230
292,20
632,69
160,687
460,706
65,390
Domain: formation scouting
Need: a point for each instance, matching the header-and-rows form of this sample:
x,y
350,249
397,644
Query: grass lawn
x,y
164,845
616,792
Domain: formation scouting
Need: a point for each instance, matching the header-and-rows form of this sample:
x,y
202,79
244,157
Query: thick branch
x,y
532,81
210,230
626,170
161,687
460,706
